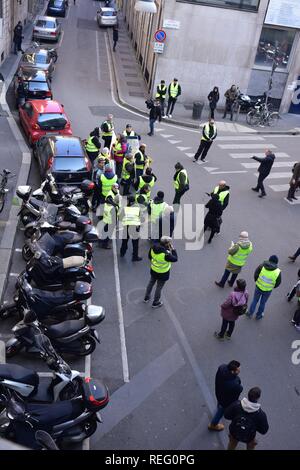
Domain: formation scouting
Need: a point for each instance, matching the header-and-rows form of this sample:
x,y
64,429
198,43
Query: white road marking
x,y
279,187
275,164
260,155
175,141
247,146
116,267
239,137
18,250
159,130
98,57
209,169
183,148
190,155
166,136
228,172
14,274
273,176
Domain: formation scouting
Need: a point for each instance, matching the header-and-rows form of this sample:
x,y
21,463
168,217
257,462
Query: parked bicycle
x,y
262,115
6,175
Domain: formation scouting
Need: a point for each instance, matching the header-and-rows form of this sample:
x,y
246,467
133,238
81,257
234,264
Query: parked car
x,y
46,27
40,117
64,157
57,8
31,85
107,17
38,58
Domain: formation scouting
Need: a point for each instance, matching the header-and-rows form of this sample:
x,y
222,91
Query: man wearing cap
x,y
161,92
110,215
140,161
105,183
237,258
128,173
129,132
107,128
180,182
267,277
161,256
130,218
209,133
174,91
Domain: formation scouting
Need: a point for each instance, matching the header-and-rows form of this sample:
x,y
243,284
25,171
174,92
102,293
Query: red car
x,y
40,117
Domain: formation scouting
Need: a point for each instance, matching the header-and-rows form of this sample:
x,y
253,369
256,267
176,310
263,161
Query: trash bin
x,y
197,109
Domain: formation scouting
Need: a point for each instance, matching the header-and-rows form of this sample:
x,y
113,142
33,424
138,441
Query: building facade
x,y
219,43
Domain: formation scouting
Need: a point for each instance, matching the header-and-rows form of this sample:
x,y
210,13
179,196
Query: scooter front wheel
x,y
87,345
13,346
6,309
88,428
26,253
29,231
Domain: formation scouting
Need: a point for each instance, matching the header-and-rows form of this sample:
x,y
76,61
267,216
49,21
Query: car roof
x,y
46,106
45,18
67,146
33,75
108,9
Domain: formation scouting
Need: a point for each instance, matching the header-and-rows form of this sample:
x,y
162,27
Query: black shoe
x,y
296,199
146,300
223,117
122,254
290,199
195,160
230,283
219,284
262,195
157,304
149,133
255,189
137,258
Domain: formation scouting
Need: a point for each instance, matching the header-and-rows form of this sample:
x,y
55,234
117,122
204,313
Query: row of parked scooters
x,y
55,318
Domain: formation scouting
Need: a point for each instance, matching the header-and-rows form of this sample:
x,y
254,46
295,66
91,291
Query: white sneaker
x,y
170,115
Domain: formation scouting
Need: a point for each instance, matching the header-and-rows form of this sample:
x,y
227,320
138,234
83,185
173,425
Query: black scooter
x,y
50,307
69,337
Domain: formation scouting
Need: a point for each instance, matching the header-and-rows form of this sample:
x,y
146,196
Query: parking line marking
x,y
18,250
228,172
14,274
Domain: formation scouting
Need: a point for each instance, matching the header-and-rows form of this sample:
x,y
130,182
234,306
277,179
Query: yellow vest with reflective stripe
x,y
125,174
107,210
90,146
141,165
176,182
267,279
156,210
143,206
240,257
221,195
110,132
142,183
107,184
206,131
132,134
174,90
159,263
117,149
162,88
131,216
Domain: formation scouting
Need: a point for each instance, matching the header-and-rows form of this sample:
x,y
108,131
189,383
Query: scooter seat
x,y
17,373
52,299
66,328
49,415
70,189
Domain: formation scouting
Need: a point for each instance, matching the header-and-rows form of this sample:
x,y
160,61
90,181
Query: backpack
x,y
240,309
104,127
242,428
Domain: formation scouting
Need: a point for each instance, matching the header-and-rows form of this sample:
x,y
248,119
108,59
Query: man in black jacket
x,y
155,113
228,389
18,36
247,418
264,170
161,255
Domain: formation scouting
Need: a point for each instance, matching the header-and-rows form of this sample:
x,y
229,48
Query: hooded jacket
x,y
243,243
169,256
266,164
146,178
227,386
270,267
248,408
235,298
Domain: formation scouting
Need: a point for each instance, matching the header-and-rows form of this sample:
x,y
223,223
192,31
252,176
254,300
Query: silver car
x,y
46,27
107,17
38,58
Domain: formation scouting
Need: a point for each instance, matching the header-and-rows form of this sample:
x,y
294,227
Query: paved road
x,y
171,353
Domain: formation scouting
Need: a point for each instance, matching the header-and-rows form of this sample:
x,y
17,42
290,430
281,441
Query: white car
x,y
107,17
46,27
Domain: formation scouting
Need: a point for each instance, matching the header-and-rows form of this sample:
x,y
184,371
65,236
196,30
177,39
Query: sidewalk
x,y
132,93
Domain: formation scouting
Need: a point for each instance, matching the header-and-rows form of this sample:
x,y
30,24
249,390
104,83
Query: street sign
x,y
172,24
160,35
158,47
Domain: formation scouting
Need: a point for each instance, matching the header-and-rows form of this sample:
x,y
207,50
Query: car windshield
x,y
69,164
37,86
108,13
56,3
45,24
36,58
52,121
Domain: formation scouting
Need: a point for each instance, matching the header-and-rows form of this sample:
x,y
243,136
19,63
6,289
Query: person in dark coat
x,y
264,170
17,39
155,113
212,217
227,389
115,36
247,416
294,183
237,298
295,255
213,99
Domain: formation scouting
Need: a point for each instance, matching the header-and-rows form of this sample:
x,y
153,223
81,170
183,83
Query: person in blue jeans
x,y
267,277
228,389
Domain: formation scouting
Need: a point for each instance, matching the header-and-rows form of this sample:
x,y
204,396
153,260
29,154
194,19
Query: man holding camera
x,y
161,255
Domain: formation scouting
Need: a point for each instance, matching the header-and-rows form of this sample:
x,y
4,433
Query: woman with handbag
x,y
213,217
233,307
